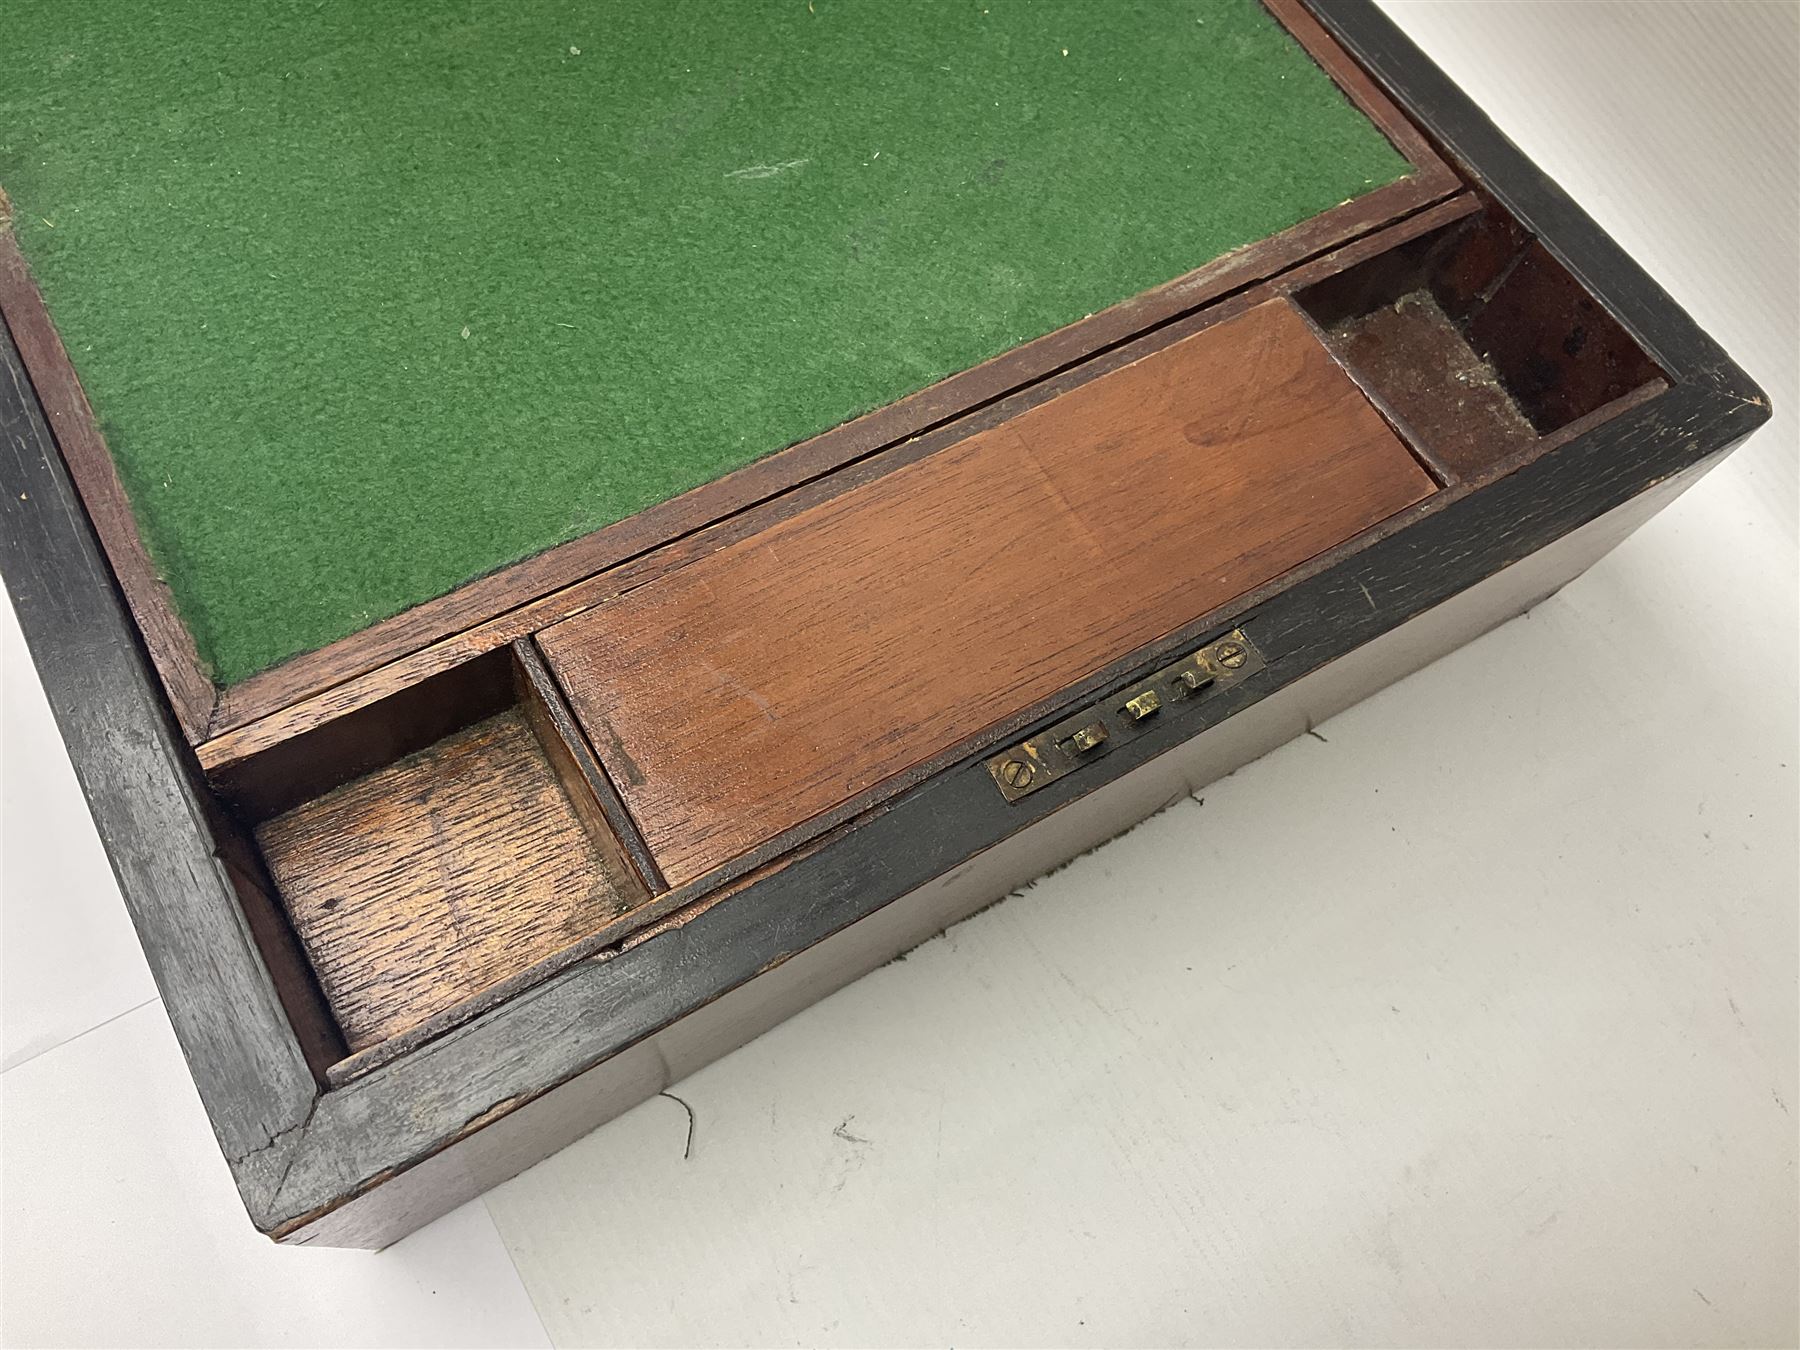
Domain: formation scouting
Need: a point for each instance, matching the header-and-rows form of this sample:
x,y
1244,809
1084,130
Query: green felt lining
x,y
371,299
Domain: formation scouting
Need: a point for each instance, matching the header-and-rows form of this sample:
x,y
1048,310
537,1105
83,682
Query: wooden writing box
x,y
489,726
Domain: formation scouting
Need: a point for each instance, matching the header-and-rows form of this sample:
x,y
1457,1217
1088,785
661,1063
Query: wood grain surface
x,y
431,879
1559,352
741,695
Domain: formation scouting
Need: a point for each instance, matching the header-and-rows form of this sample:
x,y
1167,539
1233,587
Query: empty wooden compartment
x,y
1477,344
418,885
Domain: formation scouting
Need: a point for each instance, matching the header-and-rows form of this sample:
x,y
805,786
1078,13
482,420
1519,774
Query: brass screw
x,y
1231,655
1016,773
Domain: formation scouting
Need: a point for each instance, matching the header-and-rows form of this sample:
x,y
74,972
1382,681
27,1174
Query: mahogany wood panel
x,y
427,881
748,691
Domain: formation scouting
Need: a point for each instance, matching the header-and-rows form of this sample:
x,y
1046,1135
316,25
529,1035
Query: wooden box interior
x,y
416,858
1476,344
555,760
450,869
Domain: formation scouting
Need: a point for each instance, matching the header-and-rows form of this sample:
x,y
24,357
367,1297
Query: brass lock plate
x,y
1090,734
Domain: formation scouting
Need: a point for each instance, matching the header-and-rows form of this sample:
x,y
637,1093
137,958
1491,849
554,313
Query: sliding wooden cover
x,y
743,694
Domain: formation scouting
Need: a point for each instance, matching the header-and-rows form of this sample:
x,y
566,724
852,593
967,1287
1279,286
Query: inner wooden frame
x,y
206,713
1468,242
263,739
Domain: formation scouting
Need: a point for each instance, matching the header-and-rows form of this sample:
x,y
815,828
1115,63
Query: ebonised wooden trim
x,y
142,786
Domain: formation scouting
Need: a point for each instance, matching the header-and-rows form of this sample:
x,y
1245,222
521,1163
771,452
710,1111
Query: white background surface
x,y
1474,1022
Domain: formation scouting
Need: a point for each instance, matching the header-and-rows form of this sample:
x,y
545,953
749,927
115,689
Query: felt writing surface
x,y
371,300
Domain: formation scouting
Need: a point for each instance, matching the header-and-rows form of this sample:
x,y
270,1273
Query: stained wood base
x,y
427,881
